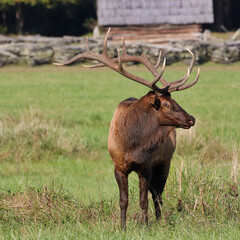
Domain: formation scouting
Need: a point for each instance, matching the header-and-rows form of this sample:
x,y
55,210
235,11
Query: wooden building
x,y
154,20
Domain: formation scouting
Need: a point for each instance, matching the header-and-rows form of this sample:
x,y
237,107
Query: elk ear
x,y
155,102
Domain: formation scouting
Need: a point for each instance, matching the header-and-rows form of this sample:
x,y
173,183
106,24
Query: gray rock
x,y
36,50
40,56
7,58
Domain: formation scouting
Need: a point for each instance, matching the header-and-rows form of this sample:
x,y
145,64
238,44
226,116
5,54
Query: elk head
x,y
172,114
168,112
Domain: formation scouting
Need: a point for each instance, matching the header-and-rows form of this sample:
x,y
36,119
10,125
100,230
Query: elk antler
x,y
116,65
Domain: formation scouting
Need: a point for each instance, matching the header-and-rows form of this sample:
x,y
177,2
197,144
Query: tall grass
x,y
197,198
33,137
198,144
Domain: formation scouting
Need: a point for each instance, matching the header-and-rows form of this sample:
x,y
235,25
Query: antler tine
x,y
187,85
105,43
115,60
190,67
184,77
192,60
161,80
124,46
119,60
133,77
159,59
139,79
161,72
179,84
86,54
176,85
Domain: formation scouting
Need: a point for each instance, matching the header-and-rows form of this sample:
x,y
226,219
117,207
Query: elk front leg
x,y
156,188
122,181
144,181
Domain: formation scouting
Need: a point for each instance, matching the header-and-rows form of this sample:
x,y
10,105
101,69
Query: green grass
x,y
56,176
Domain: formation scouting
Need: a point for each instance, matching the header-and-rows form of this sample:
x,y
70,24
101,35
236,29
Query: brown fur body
x,y
142,138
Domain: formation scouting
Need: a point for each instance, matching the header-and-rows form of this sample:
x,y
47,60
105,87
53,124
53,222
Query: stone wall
x,y
36,50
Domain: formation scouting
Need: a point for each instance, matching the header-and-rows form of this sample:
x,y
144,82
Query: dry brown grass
x,y
47,206
34,137
35,205
204,146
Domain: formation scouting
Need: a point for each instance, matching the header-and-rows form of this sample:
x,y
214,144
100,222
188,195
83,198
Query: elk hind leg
x,y
122,181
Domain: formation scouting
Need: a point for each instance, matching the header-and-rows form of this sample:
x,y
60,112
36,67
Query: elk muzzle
x,y
190,122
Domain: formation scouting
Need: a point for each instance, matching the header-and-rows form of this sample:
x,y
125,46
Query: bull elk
x,y
142,136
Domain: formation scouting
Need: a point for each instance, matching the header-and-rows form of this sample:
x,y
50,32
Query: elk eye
x,y
166,105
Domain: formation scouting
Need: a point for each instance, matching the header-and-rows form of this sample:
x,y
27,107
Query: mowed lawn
x,y
56,176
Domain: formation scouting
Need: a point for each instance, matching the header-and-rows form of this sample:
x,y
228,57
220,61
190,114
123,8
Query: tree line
x,y
47,17
77,17
226,15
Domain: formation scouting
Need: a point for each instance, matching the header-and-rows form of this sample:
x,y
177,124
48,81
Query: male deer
x,y
142,136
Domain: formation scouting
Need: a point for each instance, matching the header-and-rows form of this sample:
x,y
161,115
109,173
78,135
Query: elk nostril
x,y
191,120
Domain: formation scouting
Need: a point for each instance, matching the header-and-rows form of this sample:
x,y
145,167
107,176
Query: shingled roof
x,y
144,12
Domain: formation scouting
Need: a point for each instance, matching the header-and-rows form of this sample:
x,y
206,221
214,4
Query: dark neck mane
x,y
143,133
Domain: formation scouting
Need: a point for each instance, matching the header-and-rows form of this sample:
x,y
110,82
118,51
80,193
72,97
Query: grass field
x,y
56,176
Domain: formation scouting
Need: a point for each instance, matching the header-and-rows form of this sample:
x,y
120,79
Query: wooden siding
x,y
155,34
